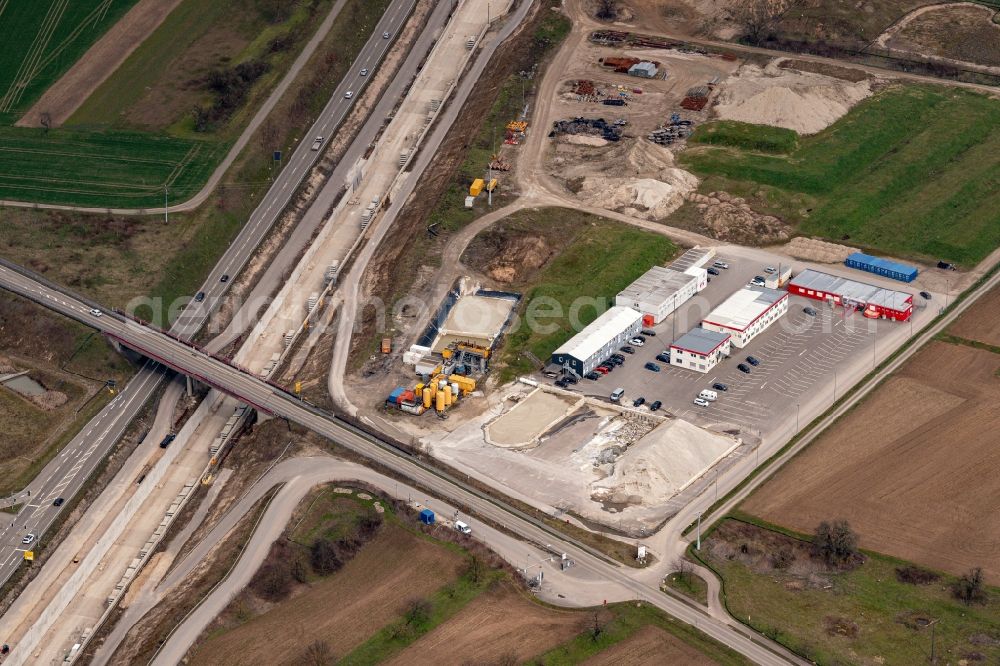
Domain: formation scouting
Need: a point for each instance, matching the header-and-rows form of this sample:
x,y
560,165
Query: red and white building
x,y
874,302
747,313
699,349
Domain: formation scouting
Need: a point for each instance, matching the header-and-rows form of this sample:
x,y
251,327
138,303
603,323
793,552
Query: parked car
x,y
753,360
652,366
720,264
649,333
712,271
615,360
199,297
602,369
593,376
655,405
618,357
166,440
743,367
463,527
570,379
561,383
28,539
58,501
925,295
628,350
663,357
639,402
757,281
637,341
224,278
770,270
616,395
719,386
809,311
701,402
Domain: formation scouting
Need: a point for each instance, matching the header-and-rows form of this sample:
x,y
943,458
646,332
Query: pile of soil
x,y
812,249
50,400
801,101
517,258
730,218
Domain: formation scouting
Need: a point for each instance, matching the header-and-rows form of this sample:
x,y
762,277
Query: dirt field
x,y
502,623
648,646
961,31
67,94
343,610
982,323
912,468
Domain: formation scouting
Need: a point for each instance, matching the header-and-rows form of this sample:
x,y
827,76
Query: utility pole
x,y
165,219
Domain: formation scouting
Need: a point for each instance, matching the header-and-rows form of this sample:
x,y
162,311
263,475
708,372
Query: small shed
x,y
427,517
644,69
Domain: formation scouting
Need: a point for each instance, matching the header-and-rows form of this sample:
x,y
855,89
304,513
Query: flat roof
x,y
744,307
852,289
597,333
700,341
879,262
696,256
657,285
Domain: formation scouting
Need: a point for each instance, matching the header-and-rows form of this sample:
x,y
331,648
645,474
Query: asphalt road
x,y
65,475
270,399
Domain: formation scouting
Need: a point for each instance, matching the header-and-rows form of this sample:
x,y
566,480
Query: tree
x,y
758,17
969,587
323,557
596,627
418,611
45,120
318,653
607,9
835,542
272,581
476,568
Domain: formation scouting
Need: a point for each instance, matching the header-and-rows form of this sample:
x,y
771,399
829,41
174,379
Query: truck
x,y
462,527
166,440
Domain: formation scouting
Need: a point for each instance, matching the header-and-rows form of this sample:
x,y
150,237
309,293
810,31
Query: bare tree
x,y
45,119
318,653
835,542
607,9
969,587
759,17
596,627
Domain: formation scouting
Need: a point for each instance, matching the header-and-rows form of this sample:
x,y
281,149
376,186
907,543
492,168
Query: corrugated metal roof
x,y
700,340
657,285
879,262
599,332
742,308
696,256
857,291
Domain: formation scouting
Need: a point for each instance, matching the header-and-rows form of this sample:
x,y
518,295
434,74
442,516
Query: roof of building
x,y
657,285
856,291
643,66
879,262
696,256
744,307
700,341
599,332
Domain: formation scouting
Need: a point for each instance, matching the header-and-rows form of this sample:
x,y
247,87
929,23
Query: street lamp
x,y
698,541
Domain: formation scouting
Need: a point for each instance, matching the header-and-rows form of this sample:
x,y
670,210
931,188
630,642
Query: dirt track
x,y
100,61
912,468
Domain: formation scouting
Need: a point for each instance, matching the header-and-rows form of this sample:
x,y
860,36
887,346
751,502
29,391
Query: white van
x,y
711,396
462,527
616,395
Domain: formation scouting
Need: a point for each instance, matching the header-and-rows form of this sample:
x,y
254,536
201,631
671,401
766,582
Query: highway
x,y
66,474
273,400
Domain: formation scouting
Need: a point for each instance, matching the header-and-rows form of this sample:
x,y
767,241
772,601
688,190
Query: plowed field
x,y
650,646
982,322
913,468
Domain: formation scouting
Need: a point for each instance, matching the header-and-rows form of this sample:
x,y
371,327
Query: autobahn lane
x,y
89,447
274,400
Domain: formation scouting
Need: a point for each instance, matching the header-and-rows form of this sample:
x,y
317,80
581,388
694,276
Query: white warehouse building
x,y
746,313
597,341
700,349
658,293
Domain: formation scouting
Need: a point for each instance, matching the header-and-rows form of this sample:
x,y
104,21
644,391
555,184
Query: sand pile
x,y
800,101
812,249
661,463
636,177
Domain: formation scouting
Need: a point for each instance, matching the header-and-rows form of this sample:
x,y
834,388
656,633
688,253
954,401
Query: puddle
x,y
24,385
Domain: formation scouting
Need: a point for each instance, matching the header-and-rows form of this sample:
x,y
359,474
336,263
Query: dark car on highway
x,y
655,405
743,367
224,278
628,350
199,297
652,366
58,501
719,386
639,402
753,360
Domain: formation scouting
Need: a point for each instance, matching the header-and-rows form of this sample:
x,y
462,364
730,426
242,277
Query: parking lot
x,y
802,359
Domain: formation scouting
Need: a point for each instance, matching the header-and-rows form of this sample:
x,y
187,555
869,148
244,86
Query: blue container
x,y
394,396
879,266
427,517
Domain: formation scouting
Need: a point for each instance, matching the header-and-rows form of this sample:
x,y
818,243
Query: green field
x,y
911,172
108,168
592,258
758,138
865,615
41,39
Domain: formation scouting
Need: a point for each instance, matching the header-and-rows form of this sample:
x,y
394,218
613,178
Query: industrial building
x,y
700,349
658,293
879,266
598,340
875,302
747,313
644,69
693,262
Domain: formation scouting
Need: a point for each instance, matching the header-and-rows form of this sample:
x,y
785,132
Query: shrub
x,y
835,542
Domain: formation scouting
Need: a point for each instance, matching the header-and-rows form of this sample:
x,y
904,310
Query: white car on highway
x,y
96,312
349,94
28,539
364,72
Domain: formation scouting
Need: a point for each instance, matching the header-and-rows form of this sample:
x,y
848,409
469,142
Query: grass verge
x,y
745,136
910,172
